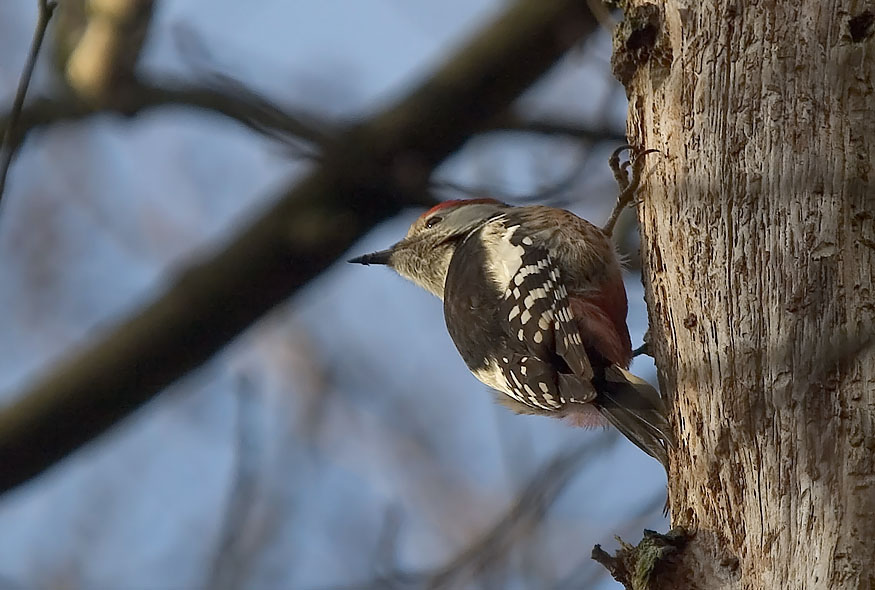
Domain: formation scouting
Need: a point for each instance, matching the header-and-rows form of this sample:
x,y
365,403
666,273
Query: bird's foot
x,y
644,349
627,182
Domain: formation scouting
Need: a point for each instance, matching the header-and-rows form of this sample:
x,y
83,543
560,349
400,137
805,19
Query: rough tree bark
x,y
758,244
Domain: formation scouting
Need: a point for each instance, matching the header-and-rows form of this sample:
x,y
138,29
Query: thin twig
x,y
548,195
386,552
526,514
7,151
511,121
222,97
237,543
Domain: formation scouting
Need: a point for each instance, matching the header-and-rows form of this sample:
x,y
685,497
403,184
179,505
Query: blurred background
x,y
340,442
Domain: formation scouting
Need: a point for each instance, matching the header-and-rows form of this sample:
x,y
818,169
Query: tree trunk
x,y
758,244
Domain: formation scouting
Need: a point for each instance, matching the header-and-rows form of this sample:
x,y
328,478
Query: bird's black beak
x,y
381,257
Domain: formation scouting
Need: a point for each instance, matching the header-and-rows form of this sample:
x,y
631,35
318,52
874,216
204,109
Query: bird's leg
x,y
645,346
643,349
628,184
618,169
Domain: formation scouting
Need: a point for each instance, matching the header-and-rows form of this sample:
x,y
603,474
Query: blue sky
x,y
353,402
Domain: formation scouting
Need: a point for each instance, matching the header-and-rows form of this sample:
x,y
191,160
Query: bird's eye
x,y
433,221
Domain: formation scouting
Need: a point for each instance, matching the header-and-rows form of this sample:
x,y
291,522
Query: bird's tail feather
x,y
635,408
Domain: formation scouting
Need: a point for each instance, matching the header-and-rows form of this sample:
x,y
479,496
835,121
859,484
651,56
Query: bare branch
x,y
550,194
386,550
369,174
228,97
223,96
523,517
513,122
530,508
233,553
8,148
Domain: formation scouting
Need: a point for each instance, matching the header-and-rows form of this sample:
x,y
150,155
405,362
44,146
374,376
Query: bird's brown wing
x,y
538,310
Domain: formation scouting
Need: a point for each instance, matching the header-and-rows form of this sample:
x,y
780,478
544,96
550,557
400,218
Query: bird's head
x,y
424,255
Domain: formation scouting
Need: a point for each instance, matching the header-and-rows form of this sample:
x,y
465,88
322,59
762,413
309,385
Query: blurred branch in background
x,y
241,534
9,146
521,519
100,58
550,195
371,172
584,575
511,121
220,95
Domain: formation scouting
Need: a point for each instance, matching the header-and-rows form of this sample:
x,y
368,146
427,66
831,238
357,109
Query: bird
x,y
535,304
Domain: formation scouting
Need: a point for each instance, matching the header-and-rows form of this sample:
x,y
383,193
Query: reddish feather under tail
x,y
603,328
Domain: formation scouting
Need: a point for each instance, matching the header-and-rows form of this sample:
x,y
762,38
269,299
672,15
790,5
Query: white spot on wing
x,y
493,376
503,259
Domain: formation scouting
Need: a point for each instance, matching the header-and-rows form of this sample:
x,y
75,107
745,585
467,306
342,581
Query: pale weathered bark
x,y
758,242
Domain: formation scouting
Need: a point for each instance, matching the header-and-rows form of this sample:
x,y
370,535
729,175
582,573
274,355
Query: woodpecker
x,y
535,303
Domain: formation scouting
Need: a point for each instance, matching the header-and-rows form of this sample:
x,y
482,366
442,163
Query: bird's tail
x,y
634,407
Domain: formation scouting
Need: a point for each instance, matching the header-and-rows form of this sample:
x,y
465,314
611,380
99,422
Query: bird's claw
x,y
644,349
627,182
